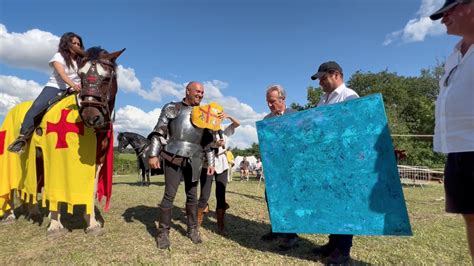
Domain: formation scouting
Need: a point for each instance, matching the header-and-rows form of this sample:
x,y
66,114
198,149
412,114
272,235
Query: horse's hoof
x,y
95,230
56,233
10,219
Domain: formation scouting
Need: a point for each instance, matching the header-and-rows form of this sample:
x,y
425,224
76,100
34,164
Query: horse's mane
x,y
94,53
133,135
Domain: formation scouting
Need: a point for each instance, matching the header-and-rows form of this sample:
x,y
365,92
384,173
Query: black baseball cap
x,y
326,68
447,6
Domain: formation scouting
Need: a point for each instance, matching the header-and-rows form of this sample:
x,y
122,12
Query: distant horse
x,y
140,145
95,105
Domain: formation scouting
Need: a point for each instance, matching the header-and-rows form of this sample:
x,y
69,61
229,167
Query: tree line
x,y
409,105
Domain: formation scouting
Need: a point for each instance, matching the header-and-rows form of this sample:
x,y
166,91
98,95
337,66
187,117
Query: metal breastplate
x,y
184,138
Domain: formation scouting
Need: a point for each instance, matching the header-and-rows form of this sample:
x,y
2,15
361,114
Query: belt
x,y
173,159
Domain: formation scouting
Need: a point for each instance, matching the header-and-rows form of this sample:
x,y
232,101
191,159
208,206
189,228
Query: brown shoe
x,y
200,216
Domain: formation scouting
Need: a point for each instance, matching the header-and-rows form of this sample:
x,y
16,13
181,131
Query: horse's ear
x,y
78,51
114,55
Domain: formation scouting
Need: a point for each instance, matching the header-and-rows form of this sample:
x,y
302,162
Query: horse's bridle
x,y
91,84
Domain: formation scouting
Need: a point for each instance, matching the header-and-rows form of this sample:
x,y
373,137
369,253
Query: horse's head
x,y
99,85
122,142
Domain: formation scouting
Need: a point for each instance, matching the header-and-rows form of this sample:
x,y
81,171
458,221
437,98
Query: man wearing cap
x,y
454,115
330,76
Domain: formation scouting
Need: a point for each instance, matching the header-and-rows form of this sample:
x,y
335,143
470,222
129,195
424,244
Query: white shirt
x,y
221,163
55,80
340,94
454,112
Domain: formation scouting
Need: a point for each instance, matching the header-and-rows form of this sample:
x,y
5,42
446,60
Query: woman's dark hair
x,y
65,43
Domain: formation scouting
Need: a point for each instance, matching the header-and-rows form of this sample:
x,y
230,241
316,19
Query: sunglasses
x,y
450,75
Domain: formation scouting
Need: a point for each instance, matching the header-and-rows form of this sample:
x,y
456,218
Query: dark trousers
x,y
342,242
173,175
287,235
206,184
38,109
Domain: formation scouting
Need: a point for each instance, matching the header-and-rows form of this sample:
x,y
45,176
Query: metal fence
x,y
418,175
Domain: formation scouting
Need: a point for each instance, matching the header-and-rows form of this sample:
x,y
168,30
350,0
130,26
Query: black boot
x,y
220,213
163,238
193,228
18,146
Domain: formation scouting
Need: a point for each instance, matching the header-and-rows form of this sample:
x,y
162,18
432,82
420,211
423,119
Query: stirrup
x,y
18,146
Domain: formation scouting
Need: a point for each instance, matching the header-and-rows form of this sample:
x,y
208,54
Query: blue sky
x,y
236,48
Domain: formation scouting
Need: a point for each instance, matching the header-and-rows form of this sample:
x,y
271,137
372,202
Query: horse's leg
x,y
9,216
93,226
148,173
143,177
55,228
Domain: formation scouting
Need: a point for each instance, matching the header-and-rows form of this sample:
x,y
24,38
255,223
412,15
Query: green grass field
x,y
439,238
127,156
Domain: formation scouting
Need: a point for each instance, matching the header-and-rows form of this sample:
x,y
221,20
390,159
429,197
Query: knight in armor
x,y
182,146
63,80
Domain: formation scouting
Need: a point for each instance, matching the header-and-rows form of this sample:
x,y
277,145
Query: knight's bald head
x,y
194,93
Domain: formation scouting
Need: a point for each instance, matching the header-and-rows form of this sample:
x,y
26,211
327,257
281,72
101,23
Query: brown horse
x,y
95,102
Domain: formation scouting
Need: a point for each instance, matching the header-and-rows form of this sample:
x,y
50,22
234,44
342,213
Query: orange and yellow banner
x,y
207,116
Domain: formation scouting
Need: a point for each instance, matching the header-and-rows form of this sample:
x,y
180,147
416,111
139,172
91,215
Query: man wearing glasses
x,y
454,113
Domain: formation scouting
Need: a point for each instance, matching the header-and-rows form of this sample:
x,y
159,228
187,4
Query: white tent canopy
x,y
251,159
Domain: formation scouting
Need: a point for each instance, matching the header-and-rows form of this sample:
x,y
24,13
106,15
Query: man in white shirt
x,y
454,113
330,75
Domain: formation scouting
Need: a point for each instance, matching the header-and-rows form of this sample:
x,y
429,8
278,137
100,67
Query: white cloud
x,y
417,29
15,90
160,88
32,49
7,102
134,119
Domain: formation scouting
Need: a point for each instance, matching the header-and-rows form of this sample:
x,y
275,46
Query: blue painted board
x,y
332,169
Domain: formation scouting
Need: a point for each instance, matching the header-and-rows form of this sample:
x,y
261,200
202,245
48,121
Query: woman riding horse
x,y
95,103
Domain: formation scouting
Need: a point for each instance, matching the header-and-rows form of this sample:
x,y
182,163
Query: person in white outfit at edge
x,y
454,113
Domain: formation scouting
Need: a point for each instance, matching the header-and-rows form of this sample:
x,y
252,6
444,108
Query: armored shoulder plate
x,y
172,109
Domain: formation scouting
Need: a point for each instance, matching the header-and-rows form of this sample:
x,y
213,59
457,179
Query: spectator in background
x,y
259,169
244,169
454,114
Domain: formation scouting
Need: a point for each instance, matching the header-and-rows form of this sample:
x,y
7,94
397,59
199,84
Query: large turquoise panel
x,y
332,169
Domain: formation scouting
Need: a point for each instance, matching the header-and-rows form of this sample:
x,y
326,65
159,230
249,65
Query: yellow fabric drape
x,y
69,154
12,165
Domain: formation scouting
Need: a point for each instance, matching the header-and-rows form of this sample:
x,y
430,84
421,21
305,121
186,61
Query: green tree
x,y
409,105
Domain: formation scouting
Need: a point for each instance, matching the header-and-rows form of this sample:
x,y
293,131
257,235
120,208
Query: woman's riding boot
x,y
220,222
163,238
200,216
193,228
